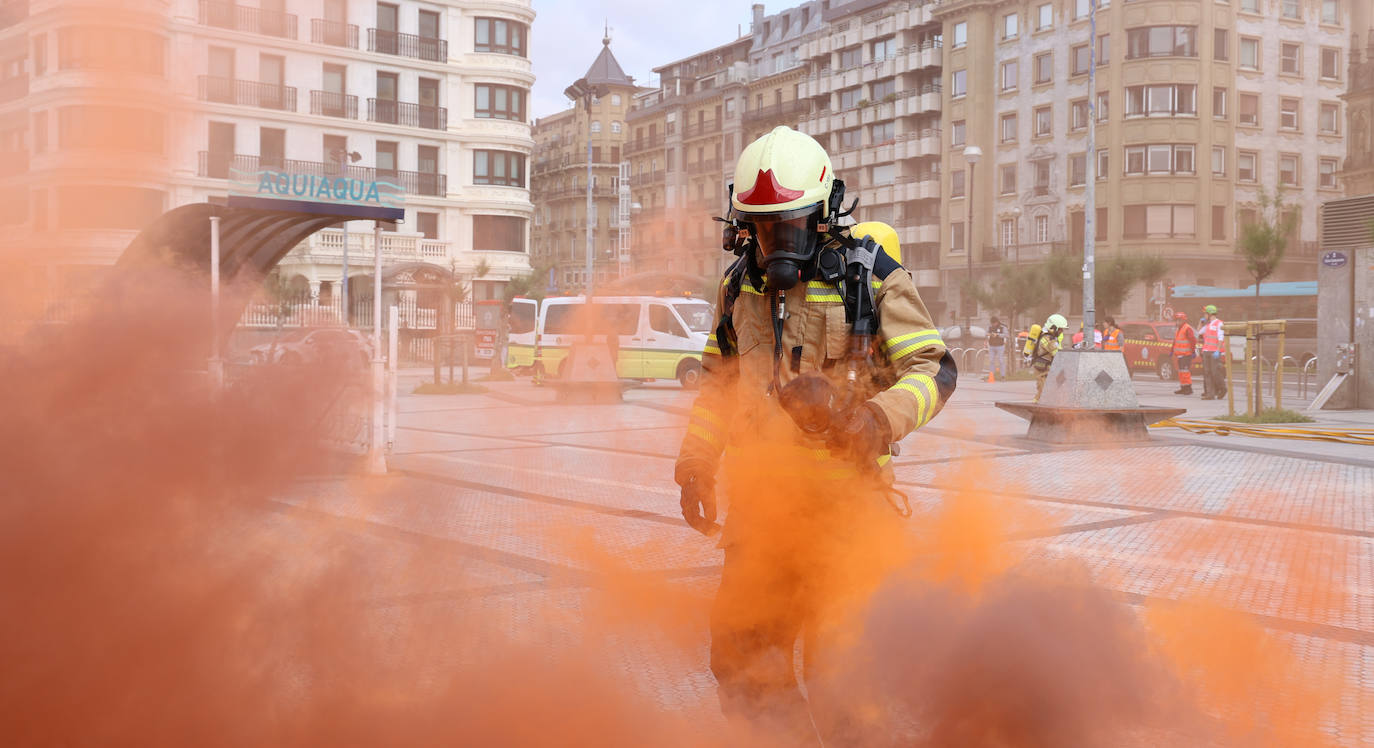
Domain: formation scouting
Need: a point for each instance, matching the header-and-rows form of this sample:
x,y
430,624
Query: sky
x,y
644,34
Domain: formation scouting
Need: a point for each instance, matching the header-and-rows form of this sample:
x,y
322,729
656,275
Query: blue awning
x,y
1286,288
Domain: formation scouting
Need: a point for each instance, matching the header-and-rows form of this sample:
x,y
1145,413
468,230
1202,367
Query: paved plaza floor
x,y
514,489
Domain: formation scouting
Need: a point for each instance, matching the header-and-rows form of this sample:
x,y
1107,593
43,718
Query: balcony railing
x,y
228,15
333,33
643,144
218,166
407,114
407,45
697,129
247,93
333,104
772,111
701,167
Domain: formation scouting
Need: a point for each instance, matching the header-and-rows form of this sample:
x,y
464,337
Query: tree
x,y
532,285
1150,270
1264,241
1112,279
1065,273
1014,290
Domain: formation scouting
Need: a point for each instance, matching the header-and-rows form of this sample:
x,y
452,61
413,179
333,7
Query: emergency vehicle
x,y
1149,346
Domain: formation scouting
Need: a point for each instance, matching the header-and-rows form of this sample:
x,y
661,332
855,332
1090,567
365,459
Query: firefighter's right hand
x,y
698,481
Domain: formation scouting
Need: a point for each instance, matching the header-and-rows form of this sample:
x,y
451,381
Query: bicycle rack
x,y
1308,369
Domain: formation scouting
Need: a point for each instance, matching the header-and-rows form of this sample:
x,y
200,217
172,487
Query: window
x,y
1008,232
1044,17
1010,26
960,34
499,168
1042,176
850,139
1245,166
1103,99
1078,114
884,174
956,134
1081,8
1102,164
1290,9
1161,41
1006,179
1008,128
956,236
1249,53
1218,222
1331,11
883,49
958,83
1044,121
1135,160
40,54
1328,118
427,224
956,183
1104,50
1078,169
1044,67
1166,100
1081,60
1288,114
882,133
1220,48
1159,159
1249,109
596,126
1010,70
1288,169
386,157
1290,58
498,234
501,36
1331,63
1218,161
884,89
1042,229
1218,102
500,102
849,98
1326,173
1158,222
851,58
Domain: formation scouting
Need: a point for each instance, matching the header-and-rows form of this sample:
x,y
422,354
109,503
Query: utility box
x,y
1345,302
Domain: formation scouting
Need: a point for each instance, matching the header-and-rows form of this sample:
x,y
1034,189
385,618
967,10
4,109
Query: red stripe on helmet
x,y
822,179
767,191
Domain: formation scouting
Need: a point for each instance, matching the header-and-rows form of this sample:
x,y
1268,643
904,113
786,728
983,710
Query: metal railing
x,y
785,109
697,129
643,144
247,93
407,45
228,15
218,166
333,33
699,167
333,104
1309,373
409,115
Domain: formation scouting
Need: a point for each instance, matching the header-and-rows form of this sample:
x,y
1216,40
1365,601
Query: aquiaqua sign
x,y
269,184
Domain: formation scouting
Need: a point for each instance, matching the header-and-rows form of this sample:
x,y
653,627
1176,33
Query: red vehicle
x,y
1149,346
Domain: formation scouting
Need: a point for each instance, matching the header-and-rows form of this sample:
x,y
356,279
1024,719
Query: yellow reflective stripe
x,y
709,415
711,349
906,344
923,388
748,287
884,459
897,340
822,291
877,284
701,432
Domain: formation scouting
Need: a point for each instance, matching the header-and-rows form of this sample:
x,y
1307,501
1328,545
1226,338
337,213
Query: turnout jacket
x,y
912,377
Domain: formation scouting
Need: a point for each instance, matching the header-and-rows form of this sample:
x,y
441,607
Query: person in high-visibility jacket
x,y
1185,348
1213,346
796,492
1046,346
1112,340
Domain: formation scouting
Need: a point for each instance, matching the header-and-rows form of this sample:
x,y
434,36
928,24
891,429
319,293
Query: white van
x,y
656,337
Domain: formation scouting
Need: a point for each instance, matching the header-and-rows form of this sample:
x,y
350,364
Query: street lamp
x,y
1016,231
344,158
972,154
581,91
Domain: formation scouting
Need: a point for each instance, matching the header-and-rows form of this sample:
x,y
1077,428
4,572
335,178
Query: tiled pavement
x,y
515,490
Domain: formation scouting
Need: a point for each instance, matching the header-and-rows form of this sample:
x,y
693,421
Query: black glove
x,y
810,400
698,480
862,437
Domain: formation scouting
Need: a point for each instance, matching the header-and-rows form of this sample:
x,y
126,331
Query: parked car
x,y
1148,345
954,337
328,345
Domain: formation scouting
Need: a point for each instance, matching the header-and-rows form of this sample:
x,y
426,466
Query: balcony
x,y
333,104
247,93
235,17
12,12
333,33
702,167
218,166
697,129
407,45
786,109
408,115
14,88
643,144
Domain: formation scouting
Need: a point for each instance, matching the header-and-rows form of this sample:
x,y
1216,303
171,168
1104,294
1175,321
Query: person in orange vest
x,y
1185,348
1213,343
1112,340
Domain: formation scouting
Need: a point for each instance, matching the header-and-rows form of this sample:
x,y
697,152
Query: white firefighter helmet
x,y
782,175
1056,321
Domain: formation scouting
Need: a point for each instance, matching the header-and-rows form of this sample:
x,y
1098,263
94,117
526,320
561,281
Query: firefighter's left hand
x,y
862,437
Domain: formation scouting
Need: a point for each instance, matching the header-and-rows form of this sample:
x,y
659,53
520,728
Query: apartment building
x,y
430,96
1358,171
1252,86
874,83
559,180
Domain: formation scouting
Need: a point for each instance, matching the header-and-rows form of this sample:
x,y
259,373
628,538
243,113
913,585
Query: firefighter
x,y
1213,344
1185,348
791,330
1112,340
1046,346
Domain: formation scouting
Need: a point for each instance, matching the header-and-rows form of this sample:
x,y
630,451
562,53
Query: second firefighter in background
x,y
796,491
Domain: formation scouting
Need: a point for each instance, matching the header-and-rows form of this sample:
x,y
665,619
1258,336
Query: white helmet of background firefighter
x,y
782,190
1055,324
